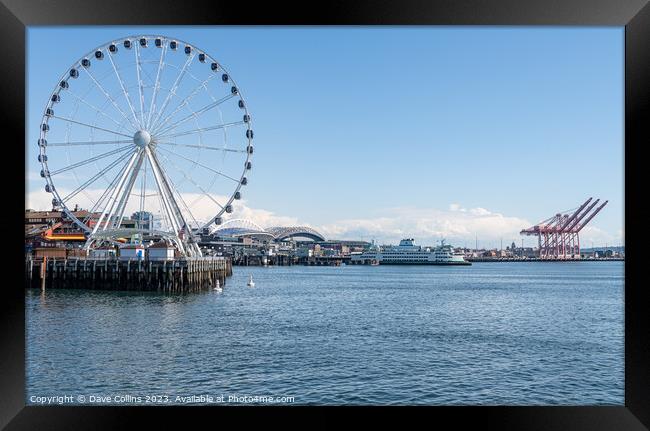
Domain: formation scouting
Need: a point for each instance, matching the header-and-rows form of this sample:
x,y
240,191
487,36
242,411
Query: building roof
x,y
42,214
31,214
35,230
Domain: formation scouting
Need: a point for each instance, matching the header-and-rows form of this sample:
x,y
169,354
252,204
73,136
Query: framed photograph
x,y
379,206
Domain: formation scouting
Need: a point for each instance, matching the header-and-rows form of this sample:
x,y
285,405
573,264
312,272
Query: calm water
x,y
492,333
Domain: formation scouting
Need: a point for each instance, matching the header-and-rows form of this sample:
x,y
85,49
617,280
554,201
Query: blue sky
x,y
383,132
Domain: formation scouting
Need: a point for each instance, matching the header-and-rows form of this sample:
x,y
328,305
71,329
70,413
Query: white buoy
x,y
251,283
218,287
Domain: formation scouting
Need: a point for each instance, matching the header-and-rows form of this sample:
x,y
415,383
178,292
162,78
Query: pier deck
x,y
170,276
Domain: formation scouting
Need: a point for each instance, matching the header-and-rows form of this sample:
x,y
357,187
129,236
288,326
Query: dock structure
x,y
289,260
263,260
544,259
167,276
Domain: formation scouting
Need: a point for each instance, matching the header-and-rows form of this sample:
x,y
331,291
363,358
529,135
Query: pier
x,y
167,276
545,259
263,260
288,260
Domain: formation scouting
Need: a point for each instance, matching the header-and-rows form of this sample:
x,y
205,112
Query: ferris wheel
x,y
152,136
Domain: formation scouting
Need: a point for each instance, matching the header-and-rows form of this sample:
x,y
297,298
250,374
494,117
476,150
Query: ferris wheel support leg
x,y
197,250
171,208
127,191
108,209
157,174
88,244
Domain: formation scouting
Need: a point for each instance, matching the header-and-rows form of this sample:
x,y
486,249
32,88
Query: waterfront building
x,y
304,251
50,252
344,247
57,229
132,251
143,219
103,252
161,250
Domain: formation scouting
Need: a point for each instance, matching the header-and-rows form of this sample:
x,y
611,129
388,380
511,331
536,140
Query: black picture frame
x,y
16,15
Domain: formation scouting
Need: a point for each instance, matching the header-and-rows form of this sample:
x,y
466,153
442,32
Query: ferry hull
x,y
365,262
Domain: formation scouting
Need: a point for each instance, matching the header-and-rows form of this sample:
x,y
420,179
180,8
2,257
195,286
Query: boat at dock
x,y
407,253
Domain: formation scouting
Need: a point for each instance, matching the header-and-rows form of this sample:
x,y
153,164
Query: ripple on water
x,y
493,333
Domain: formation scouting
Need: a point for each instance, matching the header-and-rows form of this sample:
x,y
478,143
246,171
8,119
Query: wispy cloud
x,y
430,224
202,207
456,223
599,237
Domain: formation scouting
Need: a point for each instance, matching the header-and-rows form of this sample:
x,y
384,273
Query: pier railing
x,y
170,276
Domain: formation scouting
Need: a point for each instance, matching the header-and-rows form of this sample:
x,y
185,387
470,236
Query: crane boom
x,y
581,216
591,216
558,236
575,214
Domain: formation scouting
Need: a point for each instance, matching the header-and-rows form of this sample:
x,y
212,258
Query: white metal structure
x,y
146,125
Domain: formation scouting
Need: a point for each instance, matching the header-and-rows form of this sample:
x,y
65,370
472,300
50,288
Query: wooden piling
x,y
169,276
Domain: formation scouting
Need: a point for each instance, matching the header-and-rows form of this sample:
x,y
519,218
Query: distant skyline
x,y
390,132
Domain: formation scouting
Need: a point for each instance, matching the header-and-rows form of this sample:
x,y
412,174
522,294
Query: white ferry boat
x,y
407,253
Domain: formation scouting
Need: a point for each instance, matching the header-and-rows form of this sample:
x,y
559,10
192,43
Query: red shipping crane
x,y
558,236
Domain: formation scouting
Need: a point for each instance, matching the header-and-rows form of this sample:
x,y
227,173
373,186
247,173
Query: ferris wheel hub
x,y
142,138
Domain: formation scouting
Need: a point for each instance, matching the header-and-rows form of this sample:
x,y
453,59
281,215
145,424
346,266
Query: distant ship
x,y
407,253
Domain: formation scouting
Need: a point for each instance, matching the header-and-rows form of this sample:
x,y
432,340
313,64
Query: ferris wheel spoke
x,y
138,68
109,208
189,178
106,193
172,91
207,90
196,223
91,126
108,190
95,177
156,88
203,166
94,108
184,102
195,114
203,129
90,160
110,98
124,90
203,147
68,144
